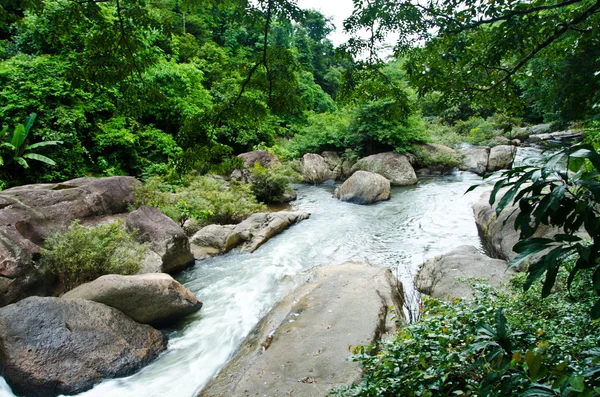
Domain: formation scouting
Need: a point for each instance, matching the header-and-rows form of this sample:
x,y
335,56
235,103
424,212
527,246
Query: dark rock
x,y
364,187
28,214
166,238
301,347
155,299
53,346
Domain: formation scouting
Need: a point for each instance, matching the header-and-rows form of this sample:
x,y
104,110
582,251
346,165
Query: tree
x,y
473,49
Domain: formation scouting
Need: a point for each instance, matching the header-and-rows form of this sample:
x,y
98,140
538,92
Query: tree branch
x,y
124,39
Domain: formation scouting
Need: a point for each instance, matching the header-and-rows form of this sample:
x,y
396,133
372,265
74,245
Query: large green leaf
x,y
39,157
41,144
21,161
29,122
18,136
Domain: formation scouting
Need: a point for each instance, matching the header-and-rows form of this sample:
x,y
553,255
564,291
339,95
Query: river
x,y
238,289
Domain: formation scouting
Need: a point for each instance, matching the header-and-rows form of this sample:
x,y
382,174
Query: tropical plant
x,y
15,144
564,192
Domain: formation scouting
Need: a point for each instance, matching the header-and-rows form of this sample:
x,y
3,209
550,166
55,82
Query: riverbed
x,y
238,289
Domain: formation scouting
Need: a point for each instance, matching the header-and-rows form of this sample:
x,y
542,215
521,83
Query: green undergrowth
x,y
502,343
205,199
81,253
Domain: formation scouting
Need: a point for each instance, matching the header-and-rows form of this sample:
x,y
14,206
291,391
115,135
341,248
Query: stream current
x,y
238,289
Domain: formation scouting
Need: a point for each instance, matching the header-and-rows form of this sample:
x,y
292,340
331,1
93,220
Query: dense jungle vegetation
x,y
166,90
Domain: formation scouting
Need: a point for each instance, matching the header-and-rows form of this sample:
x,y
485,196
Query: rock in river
x,y
300,348
444,276
476,159
501,157
53,346
393,166
155,299
250,234
315,169
364,187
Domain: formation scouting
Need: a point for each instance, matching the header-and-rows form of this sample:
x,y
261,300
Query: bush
x,y
203,198
502,343
268,185
82,253
442,160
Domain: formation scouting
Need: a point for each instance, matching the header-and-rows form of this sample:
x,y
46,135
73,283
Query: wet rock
x,y
53,346
262,157
501,157
446,276
247,235
315,169
28,214
155,299
559,136
364,187
393,166
301,347
476,159
165,237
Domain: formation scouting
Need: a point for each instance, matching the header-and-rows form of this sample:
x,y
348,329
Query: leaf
x,y
534,363
501,323
29,122
527,248
471,188
41,144
39,157
550,262
539,390
497,186
21,161
18,136
566,238
577,382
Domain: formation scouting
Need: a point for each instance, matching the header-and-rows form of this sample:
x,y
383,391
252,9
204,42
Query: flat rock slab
x,y
450,275
301,347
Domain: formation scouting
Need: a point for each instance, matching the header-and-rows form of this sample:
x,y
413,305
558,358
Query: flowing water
x,y
238,289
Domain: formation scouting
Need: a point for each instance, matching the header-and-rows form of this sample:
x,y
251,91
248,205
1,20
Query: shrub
x,y
203,198
82,253
440,159
501,343
268,185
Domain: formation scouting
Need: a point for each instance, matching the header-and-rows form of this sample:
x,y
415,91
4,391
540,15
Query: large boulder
x,y
155,299
301,347
447,276
559,136
53,346
28,214
248,235
364,187
497,233
315,169
433,159
475,159
501,157
393,166
262,157
165,237
334,163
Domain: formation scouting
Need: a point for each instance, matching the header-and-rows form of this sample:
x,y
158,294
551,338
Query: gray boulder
x,y
261,157
155,299
393,166
315,169
446,276
501,157
476,159
165,237
364,187
334,163
53,346
301,347
28,214
559,136
248,235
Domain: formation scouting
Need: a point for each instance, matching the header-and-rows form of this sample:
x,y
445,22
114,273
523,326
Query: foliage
x,y
324,131
268,185
438,132
501,343
83,253
17,147
438,159
563,197
203,198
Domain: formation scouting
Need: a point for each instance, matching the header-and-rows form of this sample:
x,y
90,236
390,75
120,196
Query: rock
x,y
444,276
393,166
560,136
28,214
476,159
433,148
501,140
53,346
539,128
166,238
347,167
241,175
501,157
289,195
432,151
499,238
264,158
315,169
364,187
301,347
248,235
152,263
334,163
155,299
